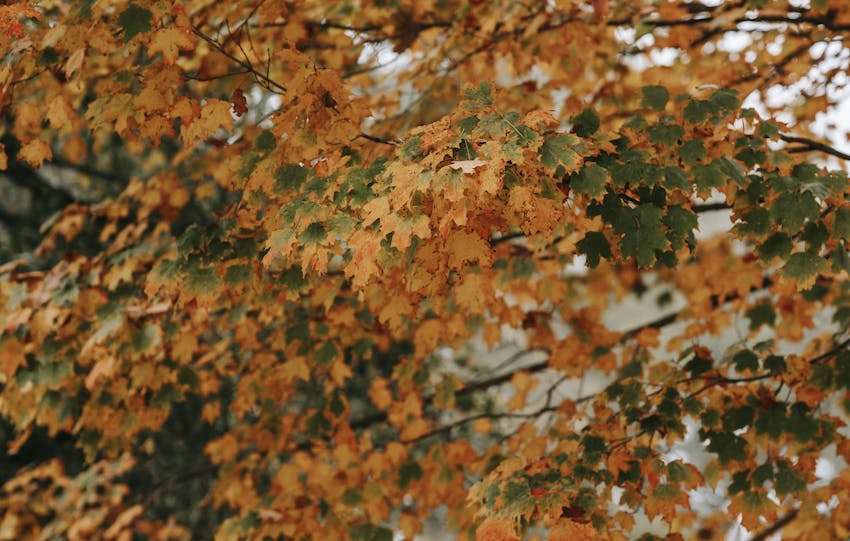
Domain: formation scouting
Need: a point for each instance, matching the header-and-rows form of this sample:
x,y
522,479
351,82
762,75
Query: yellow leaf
x,y
35,152
395,313
471,293
466,248
223,449
215,115
75,62
496,529
340,372
404,229
375,209
365,246
618,461
169,42
103,367
379,394
183,347
570,530
59,114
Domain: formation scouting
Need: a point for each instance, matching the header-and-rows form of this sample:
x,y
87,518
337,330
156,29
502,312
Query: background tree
x,y
336,269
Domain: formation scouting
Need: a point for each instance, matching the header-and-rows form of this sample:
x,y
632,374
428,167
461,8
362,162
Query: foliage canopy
x,y
260,257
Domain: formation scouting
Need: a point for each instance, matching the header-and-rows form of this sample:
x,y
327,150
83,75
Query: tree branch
x,y
783,521
808,145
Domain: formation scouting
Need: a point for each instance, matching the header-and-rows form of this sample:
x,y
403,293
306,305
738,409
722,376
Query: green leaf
x,y
787,480
134,20
468,124
737,418
761,314
841,223
763,474
815,235
237,274
326,353
655,97
412,148
803,266
201,280
290,177
675,178
840,259
730,169
767,129
480,96
727,445
696,111
756,222
645,235
745,360
708,176
595,246
265,141
585,123
740,482
792,209
593,445
666,134
557,150
370,532
409,472
314,233
774,363
725,99
698,365
590,180
692,152
771,421
680,223
776,245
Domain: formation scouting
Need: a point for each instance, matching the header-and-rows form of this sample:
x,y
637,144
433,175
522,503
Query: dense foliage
x,y
338,269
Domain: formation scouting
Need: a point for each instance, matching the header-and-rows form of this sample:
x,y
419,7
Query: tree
x,y
330,270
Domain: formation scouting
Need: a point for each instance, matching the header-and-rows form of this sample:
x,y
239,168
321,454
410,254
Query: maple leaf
x,y
646,236
804,267
558,151
465,247
170,41
315,311
35,152
654,97
240,103
569,530
11,357
215,115
365,246
134,20
495,529
75,62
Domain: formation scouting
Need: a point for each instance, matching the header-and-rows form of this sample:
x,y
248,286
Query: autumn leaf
x,y
170,41
215,115
240,103
260,278
11,357
35,153
494,529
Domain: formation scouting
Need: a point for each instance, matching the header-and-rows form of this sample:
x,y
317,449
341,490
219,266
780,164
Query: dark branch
x,y
783,521
808,145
